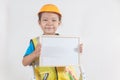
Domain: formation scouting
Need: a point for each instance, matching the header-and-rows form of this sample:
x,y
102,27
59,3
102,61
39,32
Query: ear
x,y
39,22
59,23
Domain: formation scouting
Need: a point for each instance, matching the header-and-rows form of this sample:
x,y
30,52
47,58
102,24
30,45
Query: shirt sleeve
x,y
30,49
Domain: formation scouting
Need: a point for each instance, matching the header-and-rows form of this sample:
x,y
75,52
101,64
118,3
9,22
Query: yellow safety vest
x,y
53,73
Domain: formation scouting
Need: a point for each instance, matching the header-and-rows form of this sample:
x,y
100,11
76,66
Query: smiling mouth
x,y
49,28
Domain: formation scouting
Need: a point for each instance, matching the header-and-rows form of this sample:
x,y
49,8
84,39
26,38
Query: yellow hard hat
x,y
50,8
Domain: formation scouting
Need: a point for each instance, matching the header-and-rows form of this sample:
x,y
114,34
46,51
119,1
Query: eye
x,y
54,20
45,20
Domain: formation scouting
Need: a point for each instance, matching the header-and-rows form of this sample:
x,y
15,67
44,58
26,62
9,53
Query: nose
x,y
49,22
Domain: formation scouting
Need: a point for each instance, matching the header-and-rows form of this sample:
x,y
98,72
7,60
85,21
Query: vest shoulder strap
x,y
35,41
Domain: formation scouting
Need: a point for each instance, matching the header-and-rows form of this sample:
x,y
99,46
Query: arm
x,y
27,60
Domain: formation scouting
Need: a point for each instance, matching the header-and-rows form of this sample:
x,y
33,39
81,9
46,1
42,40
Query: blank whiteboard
x,y
59,51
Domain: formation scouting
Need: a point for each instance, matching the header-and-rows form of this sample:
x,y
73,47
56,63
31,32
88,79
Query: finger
x,y
81,48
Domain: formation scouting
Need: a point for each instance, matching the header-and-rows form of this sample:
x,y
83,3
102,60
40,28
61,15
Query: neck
x,y
51,34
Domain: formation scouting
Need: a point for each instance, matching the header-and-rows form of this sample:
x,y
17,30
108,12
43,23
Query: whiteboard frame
x,y
56,36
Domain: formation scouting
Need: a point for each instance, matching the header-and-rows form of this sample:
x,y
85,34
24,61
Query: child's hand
x,y
81,48
38,50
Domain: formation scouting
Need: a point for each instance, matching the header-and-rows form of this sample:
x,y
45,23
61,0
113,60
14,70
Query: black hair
x,y
40,14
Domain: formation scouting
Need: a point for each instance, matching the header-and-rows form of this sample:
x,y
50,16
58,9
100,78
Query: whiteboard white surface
x,y
59,51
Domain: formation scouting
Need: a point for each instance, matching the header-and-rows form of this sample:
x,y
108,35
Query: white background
x,y
97,22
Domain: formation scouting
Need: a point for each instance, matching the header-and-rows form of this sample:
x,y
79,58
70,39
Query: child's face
x,y
49,23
